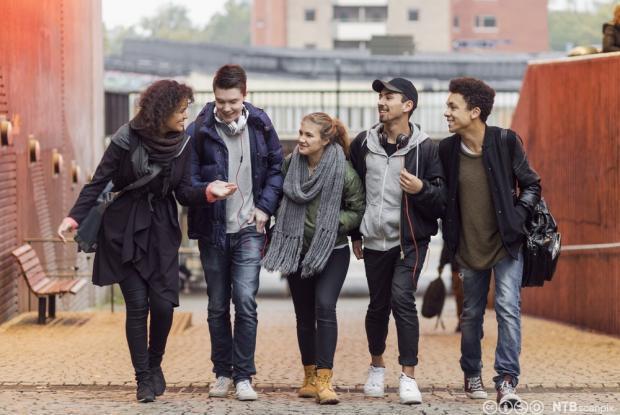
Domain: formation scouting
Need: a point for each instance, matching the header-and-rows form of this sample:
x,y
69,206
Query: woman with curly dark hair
x,y
139,237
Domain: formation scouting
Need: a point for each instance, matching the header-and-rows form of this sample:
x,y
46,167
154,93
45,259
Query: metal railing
x,y
357,109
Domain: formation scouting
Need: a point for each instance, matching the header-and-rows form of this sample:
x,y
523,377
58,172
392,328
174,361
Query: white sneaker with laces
x,y
375,384
408,390
245,392
220,388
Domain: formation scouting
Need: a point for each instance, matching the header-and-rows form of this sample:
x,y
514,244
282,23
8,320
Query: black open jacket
x,y
425,207
511,207
140,232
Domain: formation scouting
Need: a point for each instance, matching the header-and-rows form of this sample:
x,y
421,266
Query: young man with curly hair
x,y
483,228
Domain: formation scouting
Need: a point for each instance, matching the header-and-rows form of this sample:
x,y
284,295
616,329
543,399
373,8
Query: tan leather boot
x,y
308,389
325,391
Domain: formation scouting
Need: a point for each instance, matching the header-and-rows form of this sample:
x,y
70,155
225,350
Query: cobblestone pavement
x,y
121,401
559,362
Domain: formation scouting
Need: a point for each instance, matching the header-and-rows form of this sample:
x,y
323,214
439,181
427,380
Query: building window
x,y
456,22
350,44
310,46
346,14
375,14
486,22
414,15
309,15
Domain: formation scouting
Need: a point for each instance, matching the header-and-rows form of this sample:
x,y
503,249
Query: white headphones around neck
x,y
233,127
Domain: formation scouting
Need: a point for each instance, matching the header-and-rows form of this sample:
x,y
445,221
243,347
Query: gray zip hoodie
x,y
381,223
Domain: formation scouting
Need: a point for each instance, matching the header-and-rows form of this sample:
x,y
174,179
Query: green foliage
x,y
231,27
113,38
569,28
173,22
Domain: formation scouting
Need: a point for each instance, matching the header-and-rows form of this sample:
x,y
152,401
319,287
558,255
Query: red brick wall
x,y
269,23
523,23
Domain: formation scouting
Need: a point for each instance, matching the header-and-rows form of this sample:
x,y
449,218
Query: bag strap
x,y
112,196
507,151
199,136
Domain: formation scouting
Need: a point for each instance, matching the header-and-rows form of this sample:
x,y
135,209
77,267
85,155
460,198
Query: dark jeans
x,y
508,273
233,273
315,300
139,301
392,285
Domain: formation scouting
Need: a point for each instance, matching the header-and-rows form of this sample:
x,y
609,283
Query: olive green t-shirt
x,y
480,243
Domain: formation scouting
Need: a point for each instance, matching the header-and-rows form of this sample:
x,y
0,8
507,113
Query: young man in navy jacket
x,y
238,156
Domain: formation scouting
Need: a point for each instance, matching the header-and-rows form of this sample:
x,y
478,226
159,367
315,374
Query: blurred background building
x,y
402,26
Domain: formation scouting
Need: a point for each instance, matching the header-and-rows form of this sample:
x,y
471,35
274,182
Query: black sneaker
x,y
474,389
159,382
145,392
507,394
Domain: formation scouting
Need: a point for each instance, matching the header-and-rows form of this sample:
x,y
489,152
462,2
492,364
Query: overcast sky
x,y
562,4
128,12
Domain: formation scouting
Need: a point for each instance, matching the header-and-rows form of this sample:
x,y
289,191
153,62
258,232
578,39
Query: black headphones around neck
x,y
401,141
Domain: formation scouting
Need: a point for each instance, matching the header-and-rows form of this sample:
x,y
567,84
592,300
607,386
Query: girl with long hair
x,y
323,200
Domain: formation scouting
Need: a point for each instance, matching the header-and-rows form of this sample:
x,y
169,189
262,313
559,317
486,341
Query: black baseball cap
x,y
398,85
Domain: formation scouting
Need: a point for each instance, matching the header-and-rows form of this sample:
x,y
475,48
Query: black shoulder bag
x,y
541,250
88,229
433,300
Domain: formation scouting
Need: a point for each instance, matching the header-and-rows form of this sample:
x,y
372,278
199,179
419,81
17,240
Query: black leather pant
x,y
145,347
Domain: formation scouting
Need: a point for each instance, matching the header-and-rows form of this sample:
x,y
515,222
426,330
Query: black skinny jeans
x,y
392,285
139,301
314,299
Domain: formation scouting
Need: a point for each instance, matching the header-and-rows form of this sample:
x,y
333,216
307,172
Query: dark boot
x,y
159,382
145,392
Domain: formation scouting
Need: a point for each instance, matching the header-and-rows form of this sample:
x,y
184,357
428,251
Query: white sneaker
x,y
408,390
245,392
220,388
375,384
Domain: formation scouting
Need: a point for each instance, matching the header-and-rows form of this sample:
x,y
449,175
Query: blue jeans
x,y
233,273
507,273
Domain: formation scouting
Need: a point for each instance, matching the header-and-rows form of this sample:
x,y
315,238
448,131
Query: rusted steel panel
x,y
51,91
568,118
8,209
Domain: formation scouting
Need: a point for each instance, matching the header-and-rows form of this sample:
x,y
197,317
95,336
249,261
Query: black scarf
x,y
153,148
160,149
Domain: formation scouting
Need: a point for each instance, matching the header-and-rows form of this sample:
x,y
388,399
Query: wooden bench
x,y
40,284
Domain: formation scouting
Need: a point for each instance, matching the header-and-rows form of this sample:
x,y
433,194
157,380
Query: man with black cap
x,y
405,196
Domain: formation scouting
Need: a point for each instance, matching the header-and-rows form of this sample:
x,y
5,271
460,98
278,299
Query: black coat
x,y
426,206
510,210
140,231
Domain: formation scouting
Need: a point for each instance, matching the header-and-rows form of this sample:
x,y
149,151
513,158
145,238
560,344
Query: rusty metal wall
x,y
568,118
51,91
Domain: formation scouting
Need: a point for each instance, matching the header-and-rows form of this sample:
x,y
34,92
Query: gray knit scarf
x,y
300,189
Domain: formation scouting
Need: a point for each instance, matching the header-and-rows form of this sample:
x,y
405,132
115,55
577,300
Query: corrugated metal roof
x,y
171,58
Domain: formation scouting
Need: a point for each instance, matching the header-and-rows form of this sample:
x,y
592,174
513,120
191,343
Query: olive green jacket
x,y
351,209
